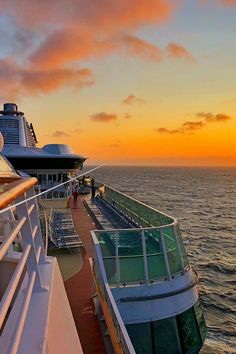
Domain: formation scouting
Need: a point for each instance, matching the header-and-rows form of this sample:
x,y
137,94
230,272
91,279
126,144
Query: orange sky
x,y
128,82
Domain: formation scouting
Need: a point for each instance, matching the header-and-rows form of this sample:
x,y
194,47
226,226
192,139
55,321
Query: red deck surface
x,y
80,288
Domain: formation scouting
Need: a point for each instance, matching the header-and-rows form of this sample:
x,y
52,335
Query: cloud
x,y
105,14
115,145
133,100
190,127
175,50
186,127
228,2
168,131
68,32
60,134
55,35
79,131
18,81
103,117
209,117
141,48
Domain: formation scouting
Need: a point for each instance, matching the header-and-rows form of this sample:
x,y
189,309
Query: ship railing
x,y
140,213
44,226
23,246
142,255
105,292
152,252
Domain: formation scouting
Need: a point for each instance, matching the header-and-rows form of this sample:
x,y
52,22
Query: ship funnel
x,y
10,107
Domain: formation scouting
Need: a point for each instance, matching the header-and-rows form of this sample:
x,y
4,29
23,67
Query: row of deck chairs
x,y
61,230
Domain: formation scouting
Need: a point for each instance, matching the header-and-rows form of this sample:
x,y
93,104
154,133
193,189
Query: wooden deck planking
x,y
80,287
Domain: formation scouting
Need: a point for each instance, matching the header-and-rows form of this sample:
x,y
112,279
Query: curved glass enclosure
x,y
148,252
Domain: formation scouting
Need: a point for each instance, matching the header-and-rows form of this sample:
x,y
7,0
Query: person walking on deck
x,y
93,189
75,196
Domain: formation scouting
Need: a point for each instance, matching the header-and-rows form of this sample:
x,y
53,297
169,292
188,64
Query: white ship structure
x,y
145,297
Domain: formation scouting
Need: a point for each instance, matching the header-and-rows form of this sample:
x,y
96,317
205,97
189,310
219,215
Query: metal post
x,y
178,247
34,221
145,257
165,254
117,260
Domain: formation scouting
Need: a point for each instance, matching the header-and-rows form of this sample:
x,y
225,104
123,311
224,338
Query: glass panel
x,y
141,337
166,338
131,269
110,267
130,243
107,242
156,267
172,250
139,212
155,257
181,246
153,241
188,332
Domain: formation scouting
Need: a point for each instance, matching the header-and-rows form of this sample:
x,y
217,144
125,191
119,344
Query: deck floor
x,y
80,287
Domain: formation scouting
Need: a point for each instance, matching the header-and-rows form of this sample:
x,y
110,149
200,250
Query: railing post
x,y
178,247
117,259
12,217
27,235
34,221
6,227
145,257
165,254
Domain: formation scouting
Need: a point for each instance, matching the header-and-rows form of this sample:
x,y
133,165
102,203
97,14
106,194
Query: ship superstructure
x,y
50,164
146,290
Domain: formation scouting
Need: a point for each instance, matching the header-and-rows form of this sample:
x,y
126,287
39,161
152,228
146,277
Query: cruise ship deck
x,y
80,288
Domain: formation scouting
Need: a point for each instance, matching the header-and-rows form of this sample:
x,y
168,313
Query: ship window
x,y
189,332
54,177
40,179
64,177
200,320
141,337
155,337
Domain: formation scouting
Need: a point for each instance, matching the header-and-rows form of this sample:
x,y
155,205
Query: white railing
x,y
20,225
21,243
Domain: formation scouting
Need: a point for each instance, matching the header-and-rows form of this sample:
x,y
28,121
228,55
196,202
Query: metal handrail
x,y
13,190
141,203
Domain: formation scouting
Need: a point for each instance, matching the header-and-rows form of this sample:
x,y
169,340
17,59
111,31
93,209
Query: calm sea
x,y
204,202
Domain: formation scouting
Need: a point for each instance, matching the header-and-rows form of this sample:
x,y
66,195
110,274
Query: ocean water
x,y
204,202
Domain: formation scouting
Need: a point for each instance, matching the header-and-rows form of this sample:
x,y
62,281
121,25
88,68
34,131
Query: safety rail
x,y
142,255
43,225
21,239
138,212
152,252
103,285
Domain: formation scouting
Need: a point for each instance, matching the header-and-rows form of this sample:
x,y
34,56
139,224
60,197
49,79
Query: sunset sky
x,y
128,82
